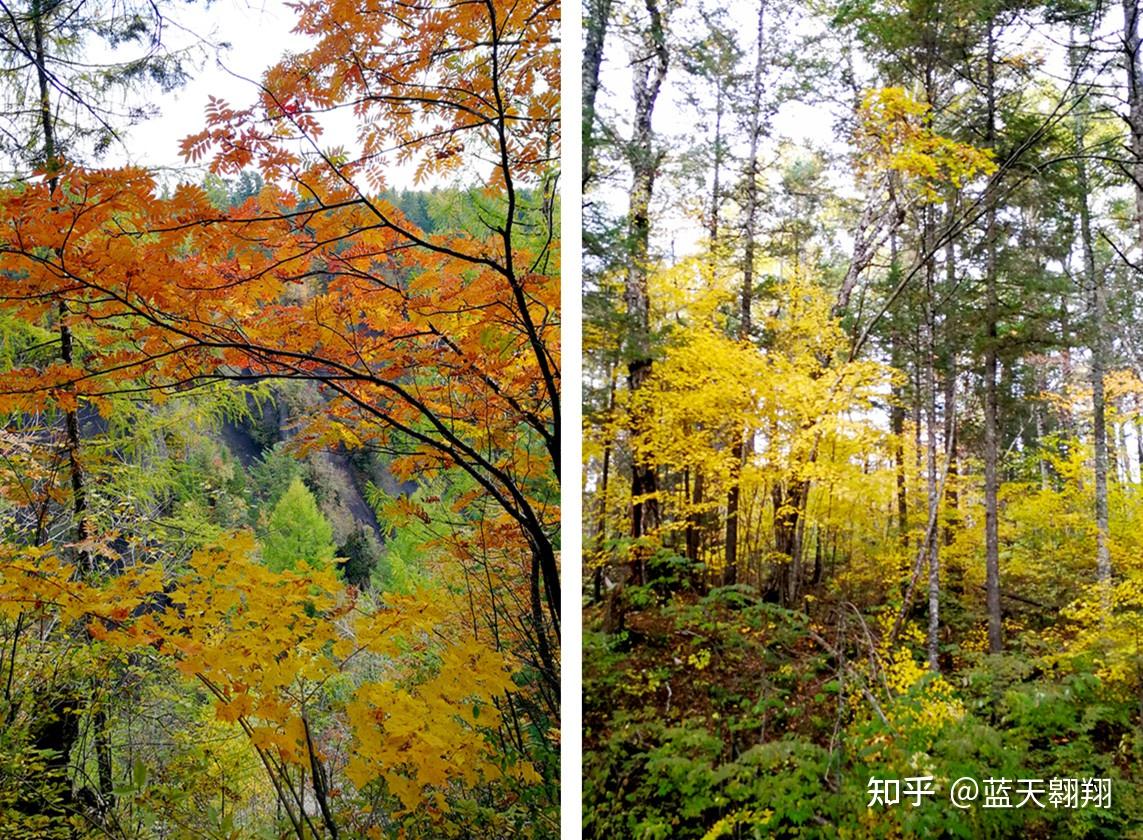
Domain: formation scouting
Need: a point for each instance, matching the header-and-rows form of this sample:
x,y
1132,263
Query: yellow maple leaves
x,y
707,387
265,643
395,737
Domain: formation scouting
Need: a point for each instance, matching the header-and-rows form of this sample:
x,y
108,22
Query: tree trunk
x,y
991,363
58,723
952,495
1122,458
897,421
742,448
650,71
1067,421
694,518
788,499
1096,302
817,574
1139,442
714,220
54,730
601,521
71,419
730,567
930,397
1133,63
1112,447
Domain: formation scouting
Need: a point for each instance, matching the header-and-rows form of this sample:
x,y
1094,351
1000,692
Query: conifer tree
x,y
298,534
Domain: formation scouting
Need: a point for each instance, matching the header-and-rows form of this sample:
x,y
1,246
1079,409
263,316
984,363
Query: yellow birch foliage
x,y
708,387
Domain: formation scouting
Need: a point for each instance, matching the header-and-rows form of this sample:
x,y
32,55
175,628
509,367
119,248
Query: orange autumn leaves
x,y
169,292
433,85
318,277
164,294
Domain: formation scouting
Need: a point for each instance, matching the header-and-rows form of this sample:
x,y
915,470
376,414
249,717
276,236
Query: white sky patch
x,y
258,35
235,43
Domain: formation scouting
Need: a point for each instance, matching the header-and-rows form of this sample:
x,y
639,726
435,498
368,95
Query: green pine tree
x,y
297,532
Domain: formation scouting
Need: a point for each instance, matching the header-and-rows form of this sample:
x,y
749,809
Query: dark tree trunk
x,y
742,448
991,413
730,569
650,71
789,501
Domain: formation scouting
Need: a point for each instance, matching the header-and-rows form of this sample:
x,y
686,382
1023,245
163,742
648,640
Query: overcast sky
x,y
258,31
